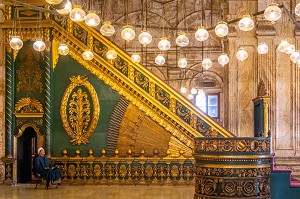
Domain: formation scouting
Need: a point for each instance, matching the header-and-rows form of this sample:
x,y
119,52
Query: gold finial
x,y
77,152
117,152
91,152
129,152
65,152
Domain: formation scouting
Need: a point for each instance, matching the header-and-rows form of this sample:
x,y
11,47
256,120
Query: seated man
x,y
45,168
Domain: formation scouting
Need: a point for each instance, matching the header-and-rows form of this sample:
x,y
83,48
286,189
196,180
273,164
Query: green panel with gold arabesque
x,y
107,98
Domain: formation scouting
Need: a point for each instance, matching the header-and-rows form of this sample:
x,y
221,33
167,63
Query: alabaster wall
x,y
2,106
279,73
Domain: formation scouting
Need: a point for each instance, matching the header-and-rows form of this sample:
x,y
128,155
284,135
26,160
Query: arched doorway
x,y
26,146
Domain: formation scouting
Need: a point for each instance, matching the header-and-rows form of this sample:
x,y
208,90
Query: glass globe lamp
x,y
54,2
190,96
201,92
111,54
246,23
66,10
206,63
182,40
221,29
290,49
201,34
92,19
77,14
262,48
88,55
272,12
145,37
241,54
128,33
183,89
194,91
223,59
297,10
295,56
282,47
182,62
39,45
164,44
160,60
136,58
63,49
107,29
16,43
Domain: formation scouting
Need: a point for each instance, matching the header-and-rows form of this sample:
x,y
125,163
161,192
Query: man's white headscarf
x,y
39,150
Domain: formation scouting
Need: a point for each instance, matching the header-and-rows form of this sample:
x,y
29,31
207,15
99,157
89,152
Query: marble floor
x,y
95,192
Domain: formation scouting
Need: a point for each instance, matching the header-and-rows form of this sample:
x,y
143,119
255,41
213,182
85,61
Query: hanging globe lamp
x,y
77,14
182,40
194,91
183,89
66,9
164,44
16,43
182,62
206,63
88,55
246,23
160,60
39,45
63,49
221,29
295,56
136,58
107,29
92,19
128,33
272,12
282,47
201,34
145,38
223,59
262,48
111,54
241,54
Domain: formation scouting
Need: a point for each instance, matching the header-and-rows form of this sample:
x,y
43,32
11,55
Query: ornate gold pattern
x,y
78,124
232,167
233,145
121,65
131,170
80,33
29,107
142,81
162,96
99,48
183,112
29,73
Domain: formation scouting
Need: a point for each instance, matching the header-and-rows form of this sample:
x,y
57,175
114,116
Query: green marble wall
x,y
65,68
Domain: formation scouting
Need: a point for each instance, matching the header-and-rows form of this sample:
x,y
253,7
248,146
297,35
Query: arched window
x,y
209,98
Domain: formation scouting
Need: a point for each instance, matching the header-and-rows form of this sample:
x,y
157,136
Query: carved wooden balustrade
x,y
232,168
129,170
